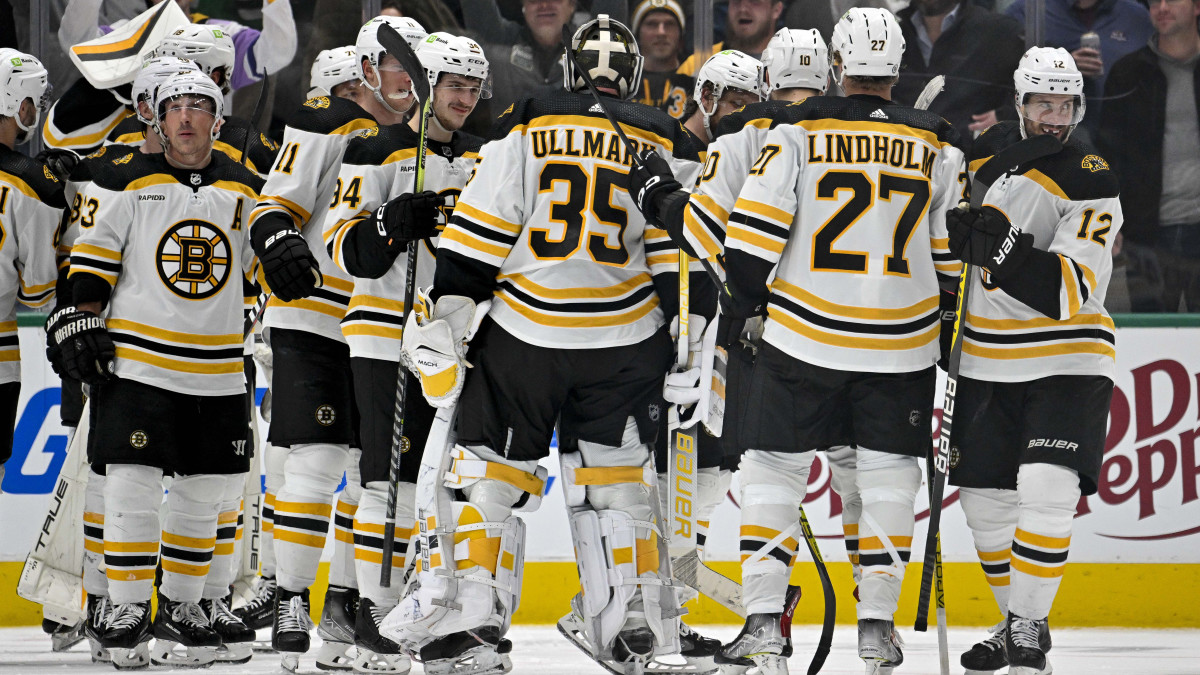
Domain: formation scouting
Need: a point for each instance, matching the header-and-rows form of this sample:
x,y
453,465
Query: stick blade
x,y
930,92
398,47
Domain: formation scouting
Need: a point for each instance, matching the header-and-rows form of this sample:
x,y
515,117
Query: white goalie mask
x,y
607,51
1051,71
22,77
796,59
209,46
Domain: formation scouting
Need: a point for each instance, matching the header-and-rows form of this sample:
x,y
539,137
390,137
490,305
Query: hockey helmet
x,y
367,46
796,58
189,88
154,72
209,46
607,51
867,42
454,54
1046,70
729,69
22,76
331,68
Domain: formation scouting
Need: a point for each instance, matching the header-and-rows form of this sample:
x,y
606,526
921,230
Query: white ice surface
x,y
542,651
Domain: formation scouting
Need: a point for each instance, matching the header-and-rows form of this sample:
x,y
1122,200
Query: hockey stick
x,y
397,47
1002,162
681,473
826,640
260,305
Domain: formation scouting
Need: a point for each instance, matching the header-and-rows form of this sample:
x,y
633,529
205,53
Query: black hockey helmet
x,y
607,50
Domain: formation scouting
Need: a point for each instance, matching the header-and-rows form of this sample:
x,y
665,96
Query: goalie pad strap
x,y
465,471
611,475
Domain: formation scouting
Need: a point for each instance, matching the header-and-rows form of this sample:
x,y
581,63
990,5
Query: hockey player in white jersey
x,y
727,81
368,238
572,290
1038,358
851,333
168,385
31,203
313,413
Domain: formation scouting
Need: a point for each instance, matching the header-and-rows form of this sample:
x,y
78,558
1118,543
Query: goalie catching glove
x,y
434,345
78,344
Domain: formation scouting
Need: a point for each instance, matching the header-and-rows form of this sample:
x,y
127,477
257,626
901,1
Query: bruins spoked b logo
x,y
194,259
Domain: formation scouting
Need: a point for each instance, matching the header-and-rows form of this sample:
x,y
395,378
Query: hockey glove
x,y
650,182
60,162
80,344
406,218
434,346
289,266
947,308
986,238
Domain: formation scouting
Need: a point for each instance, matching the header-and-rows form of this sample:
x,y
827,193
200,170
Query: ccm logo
x,y
1052,443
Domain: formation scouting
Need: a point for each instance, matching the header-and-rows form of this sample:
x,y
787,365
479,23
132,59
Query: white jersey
x,y
546,226
1050,318
170,248
848,199
31,206
303,185
381,166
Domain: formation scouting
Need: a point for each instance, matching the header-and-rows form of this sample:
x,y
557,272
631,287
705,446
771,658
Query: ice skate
x,y
99,607
336,629
63,636
763,642
127,635
879,646
1023,646
376,654
986,657
289,635
183,637
237,639
259,612
473,652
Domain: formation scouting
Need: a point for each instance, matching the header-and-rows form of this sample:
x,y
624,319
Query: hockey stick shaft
x,y
826,640
397,47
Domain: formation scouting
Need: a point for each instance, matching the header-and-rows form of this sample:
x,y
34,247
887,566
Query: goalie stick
x,y
1002,162
422,95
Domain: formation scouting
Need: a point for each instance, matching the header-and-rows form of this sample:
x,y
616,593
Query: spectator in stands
x,y
1150,131
433,15
658,25
750,25
824,14
1123,27
977,50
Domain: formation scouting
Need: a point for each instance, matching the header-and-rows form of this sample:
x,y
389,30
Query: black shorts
x,y
738,373
184,434
517,392
10,395
375,391
998,426
312,398
793,406
71,407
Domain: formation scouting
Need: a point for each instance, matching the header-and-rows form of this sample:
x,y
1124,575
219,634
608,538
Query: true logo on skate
x,y
194,259
139,439
325,414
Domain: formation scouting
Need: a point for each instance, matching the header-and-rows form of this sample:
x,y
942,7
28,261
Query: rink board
x,y
1134,551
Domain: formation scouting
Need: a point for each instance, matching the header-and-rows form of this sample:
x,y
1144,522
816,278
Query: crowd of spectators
x,y
1139,61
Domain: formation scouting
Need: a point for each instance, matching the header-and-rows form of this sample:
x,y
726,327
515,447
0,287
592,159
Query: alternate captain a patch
x,y
194,259
1094,163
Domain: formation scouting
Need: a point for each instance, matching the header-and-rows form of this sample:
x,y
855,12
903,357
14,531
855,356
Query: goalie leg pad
x,y
225,561
369,523
888,484
94,580
304,509
773,487
341,564
992,515
132,497
190,532
1048,494
843,478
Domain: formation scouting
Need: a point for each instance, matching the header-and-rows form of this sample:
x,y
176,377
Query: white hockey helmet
x,y
189,85
454,54
22,76
1047,70
608,52
154,72
209,46
796,58
867,42
367,45
331,68
729,69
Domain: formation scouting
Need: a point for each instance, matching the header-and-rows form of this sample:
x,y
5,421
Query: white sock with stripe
x,y
1048,496
369,524
888,484
992,516
304,509
226,555
773,485
132,498
189,534
94,580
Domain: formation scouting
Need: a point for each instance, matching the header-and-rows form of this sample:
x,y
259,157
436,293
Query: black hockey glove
x,y
80,345
947,309
986,238
650,183
60,162
289,266
406,218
